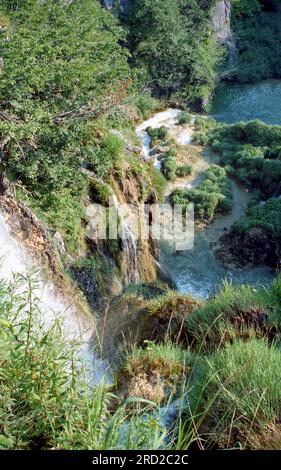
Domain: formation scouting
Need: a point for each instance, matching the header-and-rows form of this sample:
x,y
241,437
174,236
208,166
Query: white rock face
x,y
221,22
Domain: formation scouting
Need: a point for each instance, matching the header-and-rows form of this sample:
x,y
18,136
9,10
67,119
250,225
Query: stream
x,y
77,326
198,271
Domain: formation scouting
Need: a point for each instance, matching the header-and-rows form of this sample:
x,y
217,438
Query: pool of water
x,y
234,103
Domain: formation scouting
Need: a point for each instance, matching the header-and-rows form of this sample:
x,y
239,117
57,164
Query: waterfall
x,y
129,243
165,118
76,325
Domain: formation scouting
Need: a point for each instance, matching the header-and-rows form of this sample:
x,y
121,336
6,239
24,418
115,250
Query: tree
x,y
172,39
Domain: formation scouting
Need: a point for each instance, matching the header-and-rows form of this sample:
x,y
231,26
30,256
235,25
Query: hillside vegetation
x,y
75,82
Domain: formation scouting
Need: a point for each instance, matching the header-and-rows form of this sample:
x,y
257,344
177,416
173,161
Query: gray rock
x,y
58,241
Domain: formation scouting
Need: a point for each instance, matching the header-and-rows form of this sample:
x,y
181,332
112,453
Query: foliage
x,y
245,7
184,170
158,133
146,104
250,149
172,41
244,379
235,312
59,59
267,216
158,183
184,118
46,402
169,168
213,194
257,31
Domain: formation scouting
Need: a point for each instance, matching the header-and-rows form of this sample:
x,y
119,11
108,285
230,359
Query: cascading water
x,y
124,231
129,243
198,271
165,118
77,326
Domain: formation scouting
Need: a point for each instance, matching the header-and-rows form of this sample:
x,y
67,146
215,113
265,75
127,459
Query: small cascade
x,y
165,118
129,244
77,326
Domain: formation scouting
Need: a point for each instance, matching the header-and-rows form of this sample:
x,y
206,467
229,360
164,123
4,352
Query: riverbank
x,y
198,271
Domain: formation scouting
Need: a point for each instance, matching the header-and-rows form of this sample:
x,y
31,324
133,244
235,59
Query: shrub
x,y
267,216
256,25
159,133
169,167
184,170
113,144
213,194
146,104
46,401
184,118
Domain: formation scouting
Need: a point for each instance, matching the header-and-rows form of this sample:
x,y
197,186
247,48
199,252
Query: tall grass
x,y
217,394
46,402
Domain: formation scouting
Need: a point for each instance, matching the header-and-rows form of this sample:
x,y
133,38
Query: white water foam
x,y
77,326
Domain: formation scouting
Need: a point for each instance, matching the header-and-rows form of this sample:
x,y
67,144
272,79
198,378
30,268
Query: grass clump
x,y
240,389
156,371
169,168
158,183
157,134
235,312
184,170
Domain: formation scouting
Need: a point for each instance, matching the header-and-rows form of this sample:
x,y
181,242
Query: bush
x,y
46,402
267,216
235,312
256,26
146,105
169,167
184,118
252,150
159,133
213,194
184,170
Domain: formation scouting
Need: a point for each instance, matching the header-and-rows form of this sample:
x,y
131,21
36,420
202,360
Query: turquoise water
x,y
233,103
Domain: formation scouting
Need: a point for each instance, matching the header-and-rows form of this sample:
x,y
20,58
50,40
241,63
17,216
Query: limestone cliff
x,y
221,22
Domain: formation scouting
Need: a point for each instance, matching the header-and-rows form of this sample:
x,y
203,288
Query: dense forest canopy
x,y
173,41
257,29
62,66
76,80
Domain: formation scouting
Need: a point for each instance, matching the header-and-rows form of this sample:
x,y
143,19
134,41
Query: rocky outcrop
x,y
124,6
221,22
257,246
26,227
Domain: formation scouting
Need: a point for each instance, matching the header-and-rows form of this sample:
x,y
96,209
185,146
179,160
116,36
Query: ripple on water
x,y
234,102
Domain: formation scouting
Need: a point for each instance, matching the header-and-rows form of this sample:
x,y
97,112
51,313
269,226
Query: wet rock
x,y
58,241
257,246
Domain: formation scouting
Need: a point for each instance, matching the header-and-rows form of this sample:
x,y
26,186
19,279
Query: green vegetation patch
x,y
240,390
213,195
